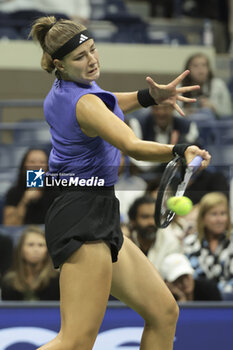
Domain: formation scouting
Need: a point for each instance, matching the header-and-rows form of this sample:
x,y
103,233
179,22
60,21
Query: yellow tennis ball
x,y
180,205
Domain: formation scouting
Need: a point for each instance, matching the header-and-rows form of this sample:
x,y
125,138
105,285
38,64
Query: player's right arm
x,y
95,119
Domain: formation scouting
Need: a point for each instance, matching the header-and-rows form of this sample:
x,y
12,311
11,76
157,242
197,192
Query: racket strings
x,y
171,179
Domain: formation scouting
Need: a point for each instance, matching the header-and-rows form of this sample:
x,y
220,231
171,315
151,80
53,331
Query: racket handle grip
x,y
196,163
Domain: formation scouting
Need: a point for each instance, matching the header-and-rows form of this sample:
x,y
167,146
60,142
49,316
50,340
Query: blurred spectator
x,y
73,9
178,274
32,276
6,250
217,10
155,243
129,186
160,125
162,8
211,250
153,186
21,13
231,193
213,95
205,181
231,24
79,10
179,229
213,9
189,222
28,205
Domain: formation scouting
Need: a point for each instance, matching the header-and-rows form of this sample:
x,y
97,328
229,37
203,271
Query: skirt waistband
x,y
87,188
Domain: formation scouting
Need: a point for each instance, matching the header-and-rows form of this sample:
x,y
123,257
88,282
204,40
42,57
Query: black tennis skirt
x,y
82,215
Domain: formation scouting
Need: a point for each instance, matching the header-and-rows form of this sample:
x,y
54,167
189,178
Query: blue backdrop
x,y
200,327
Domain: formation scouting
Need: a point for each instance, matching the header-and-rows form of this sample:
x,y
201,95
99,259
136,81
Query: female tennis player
x,y
83,226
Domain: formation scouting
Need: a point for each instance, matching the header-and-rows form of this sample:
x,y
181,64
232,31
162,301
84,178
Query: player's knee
x,y
171,313
167,316
83,340
81,343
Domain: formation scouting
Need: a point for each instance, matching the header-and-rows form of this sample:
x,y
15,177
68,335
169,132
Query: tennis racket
x,y
174,181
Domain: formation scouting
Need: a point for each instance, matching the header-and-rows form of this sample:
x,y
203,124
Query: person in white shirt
x,y
213,94
73,9
129,186
155,243
161,125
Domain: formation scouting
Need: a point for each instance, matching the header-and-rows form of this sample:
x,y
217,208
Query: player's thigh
x,y
85,283
137,283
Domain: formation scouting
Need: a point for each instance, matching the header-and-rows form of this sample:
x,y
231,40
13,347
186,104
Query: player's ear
x,y
59,65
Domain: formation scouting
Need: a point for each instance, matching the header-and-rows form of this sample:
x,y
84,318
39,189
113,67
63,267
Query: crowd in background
x,y
194,254
16,16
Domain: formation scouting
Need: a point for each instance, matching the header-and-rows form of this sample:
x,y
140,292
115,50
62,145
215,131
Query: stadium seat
x,y
9,33
97,9
222,158
204,114
11,156
212,130
177,38
227,296
32,133
208,132
102,31
224,128
13,232
135,32
157,37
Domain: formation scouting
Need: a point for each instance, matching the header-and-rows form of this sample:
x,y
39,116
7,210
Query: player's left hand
x,y
169,94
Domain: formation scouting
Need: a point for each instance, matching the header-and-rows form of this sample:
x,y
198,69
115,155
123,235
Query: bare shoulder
x,y
88,111
87,99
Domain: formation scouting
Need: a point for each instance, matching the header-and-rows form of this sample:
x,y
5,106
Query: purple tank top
x,y
73,151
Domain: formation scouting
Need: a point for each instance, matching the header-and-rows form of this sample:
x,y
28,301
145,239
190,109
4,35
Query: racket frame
x,y
186,173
